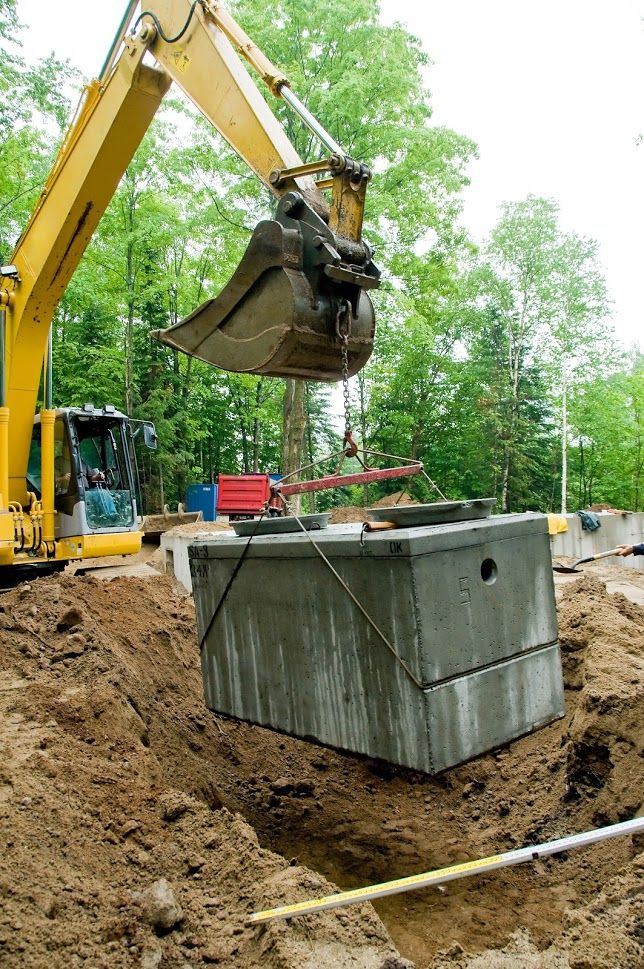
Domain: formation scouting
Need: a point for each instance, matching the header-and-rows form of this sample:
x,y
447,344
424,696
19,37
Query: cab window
x,y
34,465
104,473
62,460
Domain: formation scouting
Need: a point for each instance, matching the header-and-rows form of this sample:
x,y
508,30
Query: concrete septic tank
x,y
469,607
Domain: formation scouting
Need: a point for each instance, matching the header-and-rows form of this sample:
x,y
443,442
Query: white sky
x,y
551,92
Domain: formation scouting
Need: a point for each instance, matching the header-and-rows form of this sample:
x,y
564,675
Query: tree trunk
x,y
581,490
245,449
130,283
310,455
257,429
363,430
639,462
505,479
293,430
129,336
564,446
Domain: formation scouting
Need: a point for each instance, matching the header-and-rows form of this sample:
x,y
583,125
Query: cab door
x,y
69,518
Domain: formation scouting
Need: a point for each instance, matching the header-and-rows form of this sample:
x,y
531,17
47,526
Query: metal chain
x,y
343,328
345,385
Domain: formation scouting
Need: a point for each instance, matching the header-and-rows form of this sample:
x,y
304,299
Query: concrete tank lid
x,y
345,540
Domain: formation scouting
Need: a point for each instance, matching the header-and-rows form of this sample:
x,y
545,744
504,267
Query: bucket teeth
x,y
277,314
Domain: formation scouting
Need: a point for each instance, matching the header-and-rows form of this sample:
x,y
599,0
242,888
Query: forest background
x,y
495,364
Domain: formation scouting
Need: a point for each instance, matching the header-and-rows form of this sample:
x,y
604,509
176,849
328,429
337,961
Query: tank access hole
x,y
489,571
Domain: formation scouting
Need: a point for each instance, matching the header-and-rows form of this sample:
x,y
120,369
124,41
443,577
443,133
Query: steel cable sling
x,y
280,491
355,600
233,576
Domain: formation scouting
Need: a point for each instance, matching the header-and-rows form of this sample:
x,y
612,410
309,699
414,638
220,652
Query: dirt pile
x,y
196,528
348,513
601,782
398,498
604,934
602,639
344,514
115,847
114,781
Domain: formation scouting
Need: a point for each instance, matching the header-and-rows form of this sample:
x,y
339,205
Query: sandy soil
x,y
348,513
113,778
355,513
397,498
196,528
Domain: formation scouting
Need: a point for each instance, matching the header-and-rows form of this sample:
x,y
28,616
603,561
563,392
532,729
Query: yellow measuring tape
x,y
372,891
441,875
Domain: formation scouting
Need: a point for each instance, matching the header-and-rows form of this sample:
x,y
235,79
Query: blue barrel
x,y
203,498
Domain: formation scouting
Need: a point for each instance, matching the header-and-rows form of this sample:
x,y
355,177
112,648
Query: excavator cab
x,y
94,484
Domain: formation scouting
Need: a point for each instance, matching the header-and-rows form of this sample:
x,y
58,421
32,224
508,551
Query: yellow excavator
x,y
297,306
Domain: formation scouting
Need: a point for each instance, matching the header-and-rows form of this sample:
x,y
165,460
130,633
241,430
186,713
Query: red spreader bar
x,y
340,480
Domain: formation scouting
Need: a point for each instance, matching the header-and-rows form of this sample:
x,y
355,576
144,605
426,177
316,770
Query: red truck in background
x,y
242,495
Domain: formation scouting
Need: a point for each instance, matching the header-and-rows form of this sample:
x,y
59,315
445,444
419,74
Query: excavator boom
x,y
297,306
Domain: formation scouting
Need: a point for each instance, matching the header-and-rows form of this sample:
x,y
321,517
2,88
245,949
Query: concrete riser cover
x,y
469,606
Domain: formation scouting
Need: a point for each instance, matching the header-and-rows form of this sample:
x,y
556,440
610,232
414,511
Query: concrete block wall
x,y
624,529
175,553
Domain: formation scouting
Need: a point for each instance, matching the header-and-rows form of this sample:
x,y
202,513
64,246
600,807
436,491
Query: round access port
x,y
489,571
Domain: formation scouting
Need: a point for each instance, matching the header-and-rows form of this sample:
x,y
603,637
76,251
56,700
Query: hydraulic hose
x,y
160,31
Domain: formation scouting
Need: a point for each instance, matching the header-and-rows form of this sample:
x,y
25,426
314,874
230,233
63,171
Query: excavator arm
x,y
301,286
299,295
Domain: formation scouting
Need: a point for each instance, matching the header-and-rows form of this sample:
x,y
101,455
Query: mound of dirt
x,y
605,934
601,782
348,513
345,514
398,498
602,639
116,849
139,829
194,528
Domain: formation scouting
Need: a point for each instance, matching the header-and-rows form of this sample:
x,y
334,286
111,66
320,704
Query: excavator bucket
x,y
153,526
298,289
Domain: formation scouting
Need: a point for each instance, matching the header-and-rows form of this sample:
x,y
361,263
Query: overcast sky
x,y
550,91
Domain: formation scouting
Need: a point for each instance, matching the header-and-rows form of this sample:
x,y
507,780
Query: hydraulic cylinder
x,y
4,458
47,421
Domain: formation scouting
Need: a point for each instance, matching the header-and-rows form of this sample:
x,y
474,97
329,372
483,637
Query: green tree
x,y
35,109
487,365
549,293
607,438
364,82
578,342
